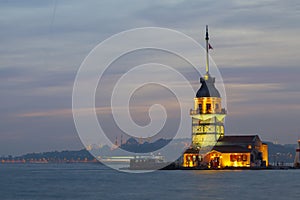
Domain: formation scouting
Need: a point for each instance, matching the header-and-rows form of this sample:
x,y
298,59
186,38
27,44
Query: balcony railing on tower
x,y
200,111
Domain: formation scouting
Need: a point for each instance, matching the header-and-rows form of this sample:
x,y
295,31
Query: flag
x,y
209,46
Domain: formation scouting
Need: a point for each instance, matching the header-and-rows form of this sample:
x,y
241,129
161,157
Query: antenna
x,y
207,55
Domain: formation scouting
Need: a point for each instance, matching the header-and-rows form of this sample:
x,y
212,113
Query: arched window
x,y
208,107
200,107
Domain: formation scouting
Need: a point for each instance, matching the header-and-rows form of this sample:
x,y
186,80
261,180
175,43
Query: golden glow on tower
x,y
208,115
207,121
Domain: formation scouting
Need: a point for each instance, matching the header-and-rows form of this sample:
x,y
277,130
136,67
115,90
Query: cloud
x,y
43,44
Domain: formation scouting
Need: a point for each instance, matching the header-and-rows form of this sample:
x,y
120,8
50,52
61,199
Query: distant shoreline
x,y
279,155
46,162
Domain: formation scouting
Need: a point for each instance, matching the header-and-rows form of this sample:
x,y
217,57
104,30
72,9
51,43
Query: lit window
x,y
239,158
233,158
200,106
208,107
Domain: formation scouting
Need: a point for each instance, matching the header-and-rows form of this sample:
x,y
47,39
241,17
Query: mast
x,y
207,55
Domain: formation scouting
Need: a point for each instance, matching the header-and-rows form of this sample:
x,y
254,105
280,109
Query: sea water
x,y
95,181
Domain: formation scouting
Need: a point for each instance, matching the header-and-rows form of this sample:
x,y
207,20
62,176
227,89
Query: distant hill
x,y
133,146
170,149
51,157
279,153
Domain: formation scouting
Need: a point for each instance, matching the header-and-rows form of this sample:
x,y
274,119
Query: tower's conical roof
x,y
208,88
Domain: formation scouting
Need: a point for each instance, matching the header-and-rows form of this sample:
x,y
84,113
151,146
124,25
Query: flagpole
x,y
207,48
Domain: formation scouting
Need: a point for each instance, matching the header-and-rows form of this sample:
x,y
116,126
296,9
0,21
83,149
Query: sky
x,y
43,43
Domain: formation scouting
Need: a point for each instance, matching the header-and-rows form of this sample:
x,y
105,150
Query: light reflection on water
x,y
94,181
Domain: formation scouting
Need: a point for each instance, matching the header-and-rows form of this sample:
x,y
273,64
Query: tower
x,y
208,115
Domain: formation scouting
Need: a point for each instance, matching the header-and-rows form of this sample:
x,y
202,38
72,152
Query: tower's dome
x,y
208,88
